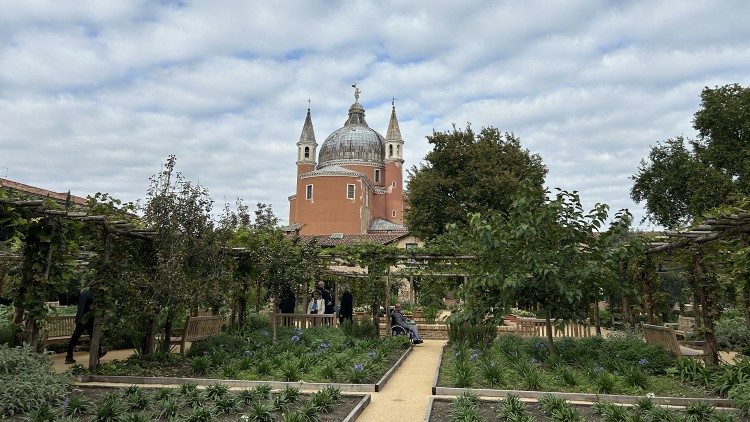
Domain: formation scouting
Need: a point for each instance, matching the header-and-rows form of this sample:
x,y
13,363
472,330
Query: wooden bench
x,y
683,327
57,329
198,328
666,338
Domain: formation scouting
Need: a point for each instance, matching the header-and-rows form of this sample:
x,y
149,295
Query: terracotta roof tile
x,y
354,239
32,190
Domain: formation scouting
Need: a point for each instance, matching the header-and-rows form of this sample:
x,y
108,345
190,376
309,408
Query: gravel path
x,y
405,396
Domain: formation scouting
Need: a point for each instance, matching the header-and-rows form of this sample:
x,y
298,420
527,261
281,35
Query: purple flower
x,y
539,346
295,338
65,404
533,360
248,353
324,346
358,367
598,370
474,355
371,354
643,362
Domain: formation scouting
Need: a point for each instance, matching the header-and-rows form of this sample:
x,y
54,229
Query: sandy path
x,y
405,395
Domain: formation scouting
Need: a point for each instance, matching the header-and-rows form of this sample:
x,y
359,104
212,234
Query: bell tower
x,y
394,172
306,147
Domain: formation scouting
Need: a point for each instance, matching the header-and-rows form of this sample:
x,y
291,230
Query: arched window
x,y
307,152
398,149
390,150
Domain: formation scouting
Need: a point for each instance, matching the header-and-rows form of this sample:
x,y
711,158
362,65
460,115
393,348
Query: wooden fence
x,y
537,327
303,321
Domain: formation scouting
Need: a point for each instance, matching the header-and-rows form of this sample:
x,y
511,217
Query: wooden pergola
x,y
108,227
712,229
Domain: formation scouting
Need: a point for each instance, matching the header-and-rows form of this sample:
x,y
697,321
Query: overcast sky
x,y
95,95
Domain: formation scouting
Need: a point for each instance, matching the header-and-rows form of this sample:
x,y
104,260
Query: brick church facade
x,y
354,186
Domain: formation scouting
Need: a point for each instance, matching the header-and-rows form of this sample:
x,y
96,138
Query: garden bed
x,y
313,359
619,369
191,403
471,408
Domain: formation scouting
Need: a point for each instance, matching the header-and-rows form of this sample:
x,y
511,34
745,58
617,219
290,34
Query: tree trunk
x,y
165,346
548,325
648,289
375,306
33,336
596,319
97,311
257,297
96,341
147,345
626,315
273,311
746,287
697,304
707,297
242,311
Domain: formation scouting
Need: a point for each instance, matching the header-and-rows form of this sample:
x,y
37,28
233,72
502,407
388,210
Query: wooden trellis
x,y
109,228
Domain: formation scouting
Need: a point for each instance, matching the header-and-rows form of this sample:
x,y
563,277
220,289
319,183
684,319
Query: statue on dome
x,y
357,91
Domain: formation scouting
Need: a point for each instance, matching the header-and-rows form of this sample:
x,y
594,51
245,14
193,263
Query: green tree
x,y
179,213
536,252
677,186
467,173
680,183
723,125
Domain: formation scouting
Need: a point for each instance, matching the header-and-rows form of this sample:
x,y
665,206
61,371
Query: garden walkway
x,y
405,395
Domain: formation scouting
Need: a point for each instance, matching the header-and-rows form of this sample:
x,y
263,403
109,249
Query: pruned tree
x,y
468,172
536,252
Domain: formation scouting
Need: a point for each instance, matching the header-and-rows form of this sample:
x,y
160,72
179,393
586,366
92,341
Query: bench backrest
x,y
662,336
60,326
202,327
686,324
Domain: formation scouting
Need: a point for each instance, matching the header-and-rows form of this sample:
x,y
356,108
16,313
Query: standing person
x,y
286,306
327,298
401,321
317,305
347,306
84,323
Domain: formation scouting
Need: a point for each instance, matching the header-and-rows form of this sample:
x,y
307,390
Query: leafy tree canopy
x,y
680,181
467,173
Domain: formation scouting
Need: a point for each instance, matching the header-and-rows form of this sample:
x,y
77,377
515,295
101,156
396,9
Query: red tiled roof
x,y
32,190
354,239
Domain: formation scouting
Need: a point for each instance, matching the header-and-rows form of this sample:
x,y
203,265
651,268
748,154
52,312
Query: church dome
x,y
353,143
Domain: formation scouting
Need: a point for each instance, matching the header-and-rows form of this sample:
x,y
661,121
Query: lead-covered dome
x,y
353,143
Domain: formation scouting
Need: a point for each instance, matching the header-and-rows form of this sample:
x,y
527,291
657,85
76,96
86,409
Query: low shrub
x,y
740,396
226,342
360,329
732,332
472,335
27,381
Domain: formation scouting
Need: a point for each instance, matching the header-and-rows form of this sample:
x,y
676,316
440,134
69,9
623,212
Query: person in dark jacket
x,y
326,296
347,306
288,301
84,323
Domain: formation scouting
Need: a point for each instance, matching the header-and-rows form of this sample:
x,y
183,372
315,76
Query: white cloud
x,y
94,95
